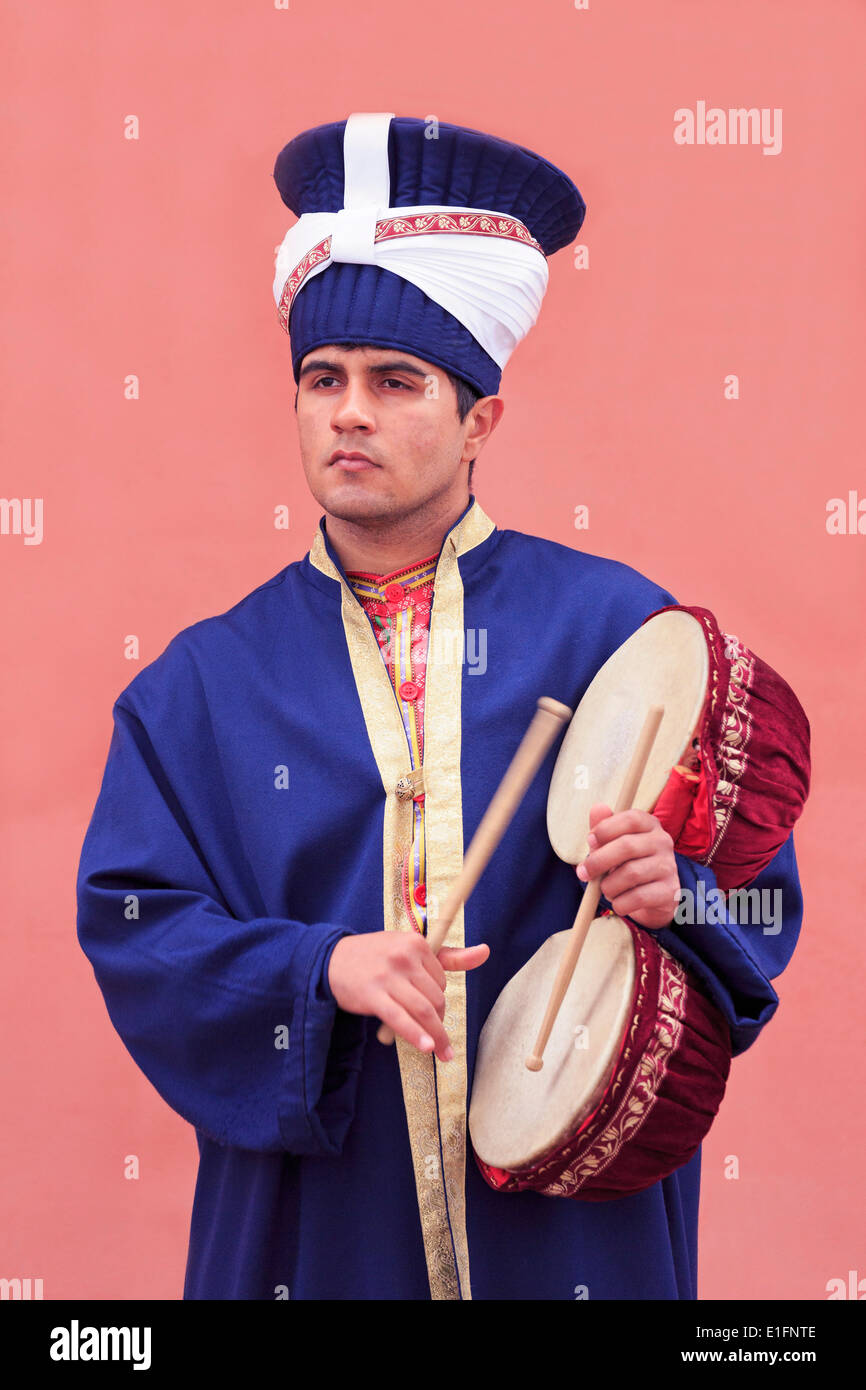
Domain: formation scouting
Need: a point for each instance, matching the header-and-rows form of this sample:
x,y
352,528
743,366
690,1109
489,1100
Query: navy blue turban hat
x,y
420,236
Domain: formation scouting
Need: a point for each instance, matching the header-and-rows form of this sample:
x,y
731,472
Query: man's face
x,y
397,410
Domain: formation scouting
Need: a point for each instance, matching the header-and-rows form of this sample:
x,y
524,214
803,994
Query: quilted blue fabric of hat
x,y
461,168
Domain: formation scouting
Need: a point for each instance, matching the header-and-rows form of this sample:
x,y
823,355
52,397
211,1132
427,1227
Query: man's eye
x,y
319,380
393,381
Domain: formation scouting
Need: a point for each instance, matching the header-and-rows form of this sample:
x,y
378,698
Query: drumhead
x,y
665,662
516,1115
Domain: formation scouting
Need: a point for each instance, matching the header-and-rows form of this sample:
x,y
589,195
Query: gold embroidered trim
x,y
434,1129
736,730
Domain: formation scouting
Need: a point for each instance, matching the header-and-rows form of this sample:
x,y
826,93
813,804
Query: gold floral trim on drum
x,y
731,754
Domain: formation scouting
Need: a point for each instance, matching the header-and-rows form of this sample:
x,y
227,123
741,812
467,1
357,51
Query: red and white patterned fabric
x,y
398,605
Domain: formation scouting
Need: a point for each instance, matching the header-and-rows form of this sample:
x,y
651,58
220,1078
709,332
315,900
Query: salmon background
x,y
155,257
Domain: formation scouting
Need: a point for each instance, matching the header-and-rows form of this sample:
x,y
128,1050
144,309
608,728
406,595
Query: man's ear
x,y
485,421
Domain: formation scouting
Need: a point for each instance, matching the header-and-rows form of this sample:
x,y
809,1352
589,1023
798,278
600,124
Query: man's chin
x,y
351,502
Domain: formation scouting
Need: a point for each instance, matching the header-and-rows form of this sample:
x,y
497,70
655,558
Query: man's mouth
x,y
351,462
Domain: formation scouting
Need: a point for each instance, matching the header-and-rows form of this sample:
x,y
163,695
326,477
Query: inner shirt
x,y
399,605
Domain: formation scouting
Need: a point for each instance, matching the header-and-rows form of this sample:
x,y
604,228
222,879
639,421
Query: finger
x,y
463,957
403,1025
619,851
598,813
655,898
426,1017
621,823
636,873
433,965
655,919
430,988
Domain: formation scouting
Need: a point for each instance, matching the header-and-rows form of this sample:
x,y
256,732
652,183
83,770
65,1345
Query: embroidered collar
x,y
414,576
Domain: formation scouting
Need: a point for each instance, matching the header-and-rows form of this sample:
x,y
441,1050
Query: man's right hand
x,y
396,977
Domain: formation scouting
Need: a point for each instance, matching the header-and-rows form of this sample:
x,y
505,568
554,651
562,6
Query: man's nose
x,y
353,408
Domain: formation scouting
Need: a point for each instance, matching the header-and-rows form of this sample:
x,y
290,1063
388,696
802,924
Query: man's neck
x,y
392,546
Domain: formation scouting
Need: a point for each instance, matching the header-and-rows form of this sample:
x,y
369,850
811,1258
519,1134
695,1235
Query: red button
x,y
409,690
394,593
420,894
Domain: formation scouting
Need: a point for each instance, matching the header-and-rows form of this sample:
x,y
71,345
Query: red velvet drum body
x,y
736,795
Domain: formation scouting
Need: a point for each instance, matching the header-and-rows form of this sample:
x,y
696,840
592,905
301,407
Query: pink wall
x,y
155,257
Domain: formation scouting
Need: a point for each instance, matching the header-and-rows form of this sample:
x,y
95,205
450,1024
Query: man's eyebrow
x,y
320,364
398,365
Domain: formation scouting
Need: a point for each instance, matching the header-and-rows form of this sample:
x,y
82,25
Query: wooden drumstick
x,y
549,717
592,892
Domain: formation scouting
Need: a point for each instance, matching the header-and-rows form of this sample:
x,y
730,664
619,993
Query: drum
x,y
638,1060
634,1072
729,772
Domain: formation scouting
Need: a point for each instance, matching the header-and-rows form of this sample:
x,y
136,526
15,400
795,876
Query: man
x,y
293,776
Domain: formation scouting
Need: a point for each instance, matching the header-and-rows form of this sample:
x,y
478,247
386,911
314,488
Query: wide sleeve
x,y
232,1021
737,943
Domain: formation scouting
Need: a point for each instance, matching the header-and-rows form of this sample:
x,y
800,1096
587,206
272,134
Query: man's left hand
x,y
634,856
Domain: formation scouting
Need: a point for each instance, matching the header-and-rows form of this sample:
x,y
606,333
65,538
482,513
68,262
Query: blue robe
x,y
247,821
